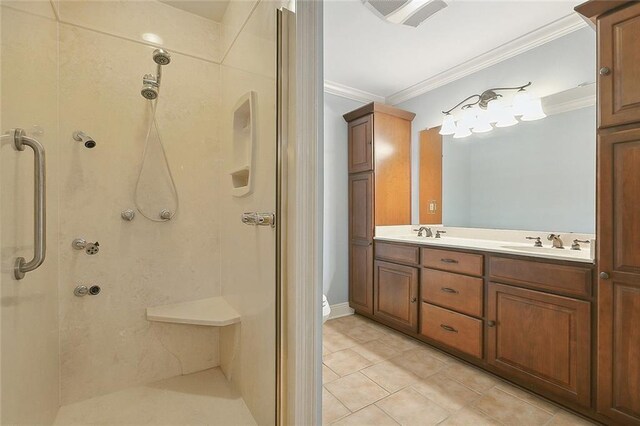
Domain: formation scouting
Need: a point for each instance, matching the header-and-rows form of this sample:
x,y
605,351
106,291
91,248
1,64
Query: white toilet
x,y
326,309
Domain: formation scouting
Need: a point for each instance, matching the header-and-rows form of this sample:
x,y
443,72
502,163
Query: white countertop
x,y
506,242
213,311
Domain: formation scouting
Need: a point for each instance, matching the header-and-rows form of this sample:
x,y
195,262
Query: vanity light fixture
x,y
480,113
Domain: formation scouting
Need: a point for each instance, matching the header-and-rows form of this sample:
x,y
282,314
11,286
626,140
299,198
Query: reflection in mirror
x,y
538,175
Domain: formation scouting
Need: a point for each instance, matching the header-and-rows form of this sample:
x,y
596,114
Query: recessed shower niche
x,y
244,139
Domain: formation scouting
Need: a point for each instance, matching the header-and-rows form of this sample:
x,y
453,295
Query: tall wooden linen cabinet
x,y
379,188
618,207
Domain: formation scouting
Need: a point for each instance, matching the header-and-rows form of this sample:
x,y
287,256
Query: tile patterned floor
x,y
373,375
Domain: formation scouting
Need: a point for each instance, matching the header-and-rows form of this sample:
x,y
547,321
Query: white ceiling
x,y
364,52
210,9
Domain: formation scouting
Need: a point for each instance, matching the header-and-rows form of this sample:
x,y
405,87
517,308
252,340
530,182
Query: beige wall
x,y
248,258
106,342
29,308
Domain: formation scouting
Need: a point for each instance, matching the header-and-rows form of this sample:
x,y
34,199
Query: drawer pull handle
x,y
449,260
449,290
448,328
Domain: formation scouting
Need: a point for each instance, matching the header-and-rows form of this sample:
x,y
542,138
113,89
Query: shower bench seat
x,y
213,311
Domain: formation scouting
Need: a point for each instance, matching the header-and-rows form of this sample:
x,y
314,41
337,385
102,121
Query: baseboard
x,y
340,310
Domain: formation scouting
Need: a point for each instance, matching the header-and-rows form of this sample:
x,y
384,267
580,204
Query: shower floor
x,y
195,399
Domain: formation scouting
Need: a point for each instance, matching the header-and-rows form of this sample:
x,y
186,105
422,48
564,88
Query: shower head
x,y
151,83
149,91
161,57
150,86
84,138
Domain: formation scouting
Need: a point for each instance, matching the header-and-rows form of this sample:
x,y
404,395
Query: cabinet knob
x,y
604,276
605,71
414,299
491,323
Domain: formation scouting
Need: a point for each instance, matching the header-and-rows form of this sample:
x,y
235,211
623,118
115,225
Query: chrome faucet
x,y
576,244
537,243
556,241
426,230
440,232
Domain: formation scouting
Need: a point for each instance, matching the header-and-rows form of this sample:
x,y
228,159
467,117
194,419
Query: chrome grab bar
x,y
20,140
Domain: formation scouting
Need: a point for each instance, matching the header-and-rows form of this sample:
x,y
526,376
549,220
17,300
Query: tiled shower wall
x,y
106,342
92,65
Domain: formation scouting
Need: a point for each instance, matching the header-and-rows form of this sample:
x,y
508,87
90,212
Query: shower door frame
x,y
299,245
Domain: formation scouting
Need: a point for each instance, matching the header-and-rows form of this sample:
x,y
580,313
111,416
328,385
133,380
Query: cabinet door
x,y
619,65
618,229
361,144
396,295
361,207
361,242
541,340
361,276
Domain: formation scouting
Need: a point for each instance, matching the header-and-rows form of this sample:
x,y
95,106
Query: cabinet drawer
x,y
397,253
454,291
452,329
571,280
453,261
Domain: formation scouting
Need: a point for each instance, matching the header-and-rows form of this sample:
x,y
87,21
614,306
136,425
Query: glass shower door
x,y
29,386
76,68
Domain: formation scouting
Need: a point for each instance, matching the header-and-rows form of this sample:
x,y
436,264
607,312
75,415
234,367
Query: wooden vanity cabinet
x,y
361,242
361,144
379,163
528,320
619,66
396,295
619,281
541,339
618,207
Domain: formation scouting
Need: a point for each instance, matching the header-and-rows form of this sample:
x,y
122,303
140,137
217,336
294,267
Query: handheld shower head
x,y
151,83
161,57
149,91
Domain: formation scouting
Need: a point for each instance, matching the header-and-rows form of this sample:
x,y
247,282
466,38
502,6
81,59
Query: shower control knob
x,y
165,214
79,243
128,215
82,244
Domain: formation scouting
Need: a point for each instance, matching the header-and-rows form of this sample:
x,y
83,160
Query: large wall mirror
x,y
537,175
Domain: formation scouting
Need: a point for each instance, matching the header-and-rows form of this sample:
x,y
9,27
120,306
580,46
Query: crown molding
x,y
550,32
338,89
569,100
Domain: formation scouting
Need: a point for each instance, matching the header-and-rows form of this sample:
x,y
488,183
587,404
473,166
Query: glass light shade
x,y
533,110
506,118
495,110
448,125
520,102
461,132
468,117
482,124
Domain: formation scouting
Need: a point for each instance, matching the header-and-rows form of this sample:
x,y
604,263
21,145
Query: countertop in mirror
x,y
495,241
